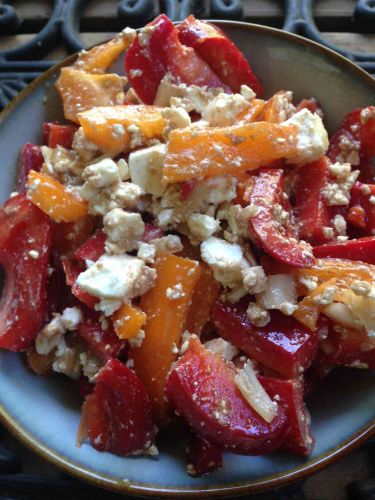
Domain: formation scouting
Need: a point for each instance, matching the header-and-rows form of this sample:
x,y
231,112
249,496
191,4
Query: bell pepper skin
x,y
105,344
284,345
92,249
72,270
361,212
198,384
55,134
156,51
289,393
25,243
274,237
220,53
311,211
355,139
346,347
204,455
31,158
362,249
116,416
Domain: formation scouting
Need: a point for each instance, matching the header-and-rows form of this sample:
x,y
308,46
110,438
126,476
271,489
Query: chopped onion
x,y
340,313
363,307
254,393
280,289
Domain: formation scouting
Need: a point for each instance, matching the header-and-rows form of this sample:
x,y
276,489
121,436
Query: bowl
x,y
44,414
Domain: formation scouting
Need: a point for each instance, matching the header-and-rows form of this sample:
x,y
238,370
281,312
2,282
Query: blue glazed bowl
x,y
44,413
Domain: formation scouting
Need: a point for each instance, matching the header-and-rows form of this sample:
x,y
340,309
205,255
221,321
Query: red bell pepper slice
x,y
92,249
31,158
117,415
359,133
151,232
284,345
204,455
289,393
311,211
105,344
187,188
72,270
346,347
157,51
361,212
25,242
220,53
311,104
277,239
359,249
201,384
55,134
85,387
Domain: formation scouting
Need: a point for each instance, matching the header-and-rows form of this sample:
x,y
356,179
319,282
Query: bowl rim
x,y
240,488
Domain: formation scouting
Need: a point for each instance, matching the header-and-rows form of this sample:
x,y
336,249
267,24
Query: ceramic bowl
x,y
44,414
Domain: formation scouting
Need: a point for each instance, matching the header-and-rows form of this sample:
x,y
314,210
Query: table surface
x,y
98,23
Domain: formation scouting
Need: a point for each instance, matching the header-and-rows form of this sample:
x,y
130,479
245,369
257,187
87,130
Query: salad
x,y
188,250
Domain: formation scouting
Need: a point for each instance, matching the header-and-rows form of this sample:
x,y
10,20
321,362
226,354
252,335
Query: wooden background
x,y
99,22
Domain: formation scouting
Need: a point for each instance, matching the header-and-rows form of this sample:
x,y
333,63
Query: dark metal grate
x,y
20,65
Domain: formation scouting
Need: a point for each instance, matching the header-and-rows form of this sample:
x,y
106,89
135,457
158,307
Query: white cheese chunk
x,y
117,277
71,317
145,166
225,259
220,346
102,174
312,137
202,226
124,231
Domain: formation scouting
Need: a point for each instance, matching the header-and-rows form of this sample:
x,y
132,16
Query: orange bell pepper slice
x,y
204,297
166,307
274,109
252,112
53,198
128,320
205,152
107,127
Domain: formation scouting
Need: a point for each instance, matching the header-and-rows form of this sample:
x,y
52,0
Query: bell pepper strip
x,y
361,249
25,242
275,235
55,134
220,53
117,415
85,387
200,152
98,126
325,269
347,347
58,292
299,439
151,232
311,104
252,112
204,456
53,198
361,212
72,270
354,137
85,84
166,307
275,110
202,388
104,343
157,51
67,237
127,321
92,248
31,158
284,345
204,297
311,211
80,91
